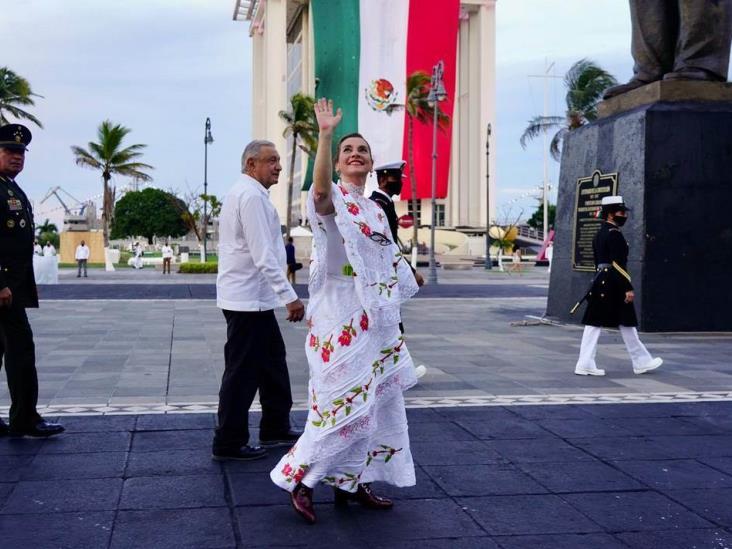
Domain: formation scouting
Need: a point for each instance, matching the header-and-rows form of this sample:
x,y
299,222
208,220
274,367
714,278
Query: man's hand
x,y
295,311
6,297
629,296
419,278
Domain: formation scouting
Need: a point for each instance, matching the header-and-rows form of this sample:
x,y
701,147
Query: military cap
x,y
394,168
14,136
614,204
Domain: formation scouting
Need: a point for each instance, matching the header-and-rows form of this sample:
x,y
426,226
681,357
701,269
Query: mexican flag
x,y
364,50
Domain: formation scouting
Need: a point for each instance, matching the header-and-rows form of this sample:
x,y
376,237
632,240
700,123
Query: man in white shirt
x,y
49,250
37,248
81,256
167,252
250,284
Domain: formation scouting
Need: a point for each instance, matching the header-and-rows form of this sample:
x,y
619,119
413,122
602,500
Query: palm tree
x,y
47,227
421,110
15,90
108,156
585,82
301,125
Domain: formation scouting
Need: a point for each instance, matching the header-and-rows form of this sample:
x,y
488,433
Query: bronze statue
x,y
678,40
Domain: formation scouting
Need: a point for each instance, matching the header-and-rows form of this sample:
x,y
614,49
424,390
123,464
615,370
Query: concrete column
x,y
272,95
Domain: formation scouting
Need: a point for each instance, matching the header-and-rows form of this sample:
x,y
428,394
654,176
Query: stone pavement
x,y
579,476
585,471
145,355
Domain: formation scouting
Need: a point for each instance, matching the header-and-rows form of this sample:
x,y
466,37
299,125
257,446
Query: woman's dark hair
x,y
348,136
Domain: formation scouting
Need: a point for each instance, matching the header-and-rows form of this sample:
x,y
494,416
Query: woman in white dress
x,y
356,430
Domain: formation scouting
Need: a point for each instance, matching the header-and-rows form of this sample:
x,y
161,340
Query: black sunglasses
x,y
380,239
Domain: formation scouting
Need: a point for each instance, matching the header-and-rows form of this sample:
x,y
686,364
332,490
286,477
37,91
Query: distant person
x,y
167,252
49,250
81,256
250,284
18,291
610,299
292,265
137,258
515,261
37,248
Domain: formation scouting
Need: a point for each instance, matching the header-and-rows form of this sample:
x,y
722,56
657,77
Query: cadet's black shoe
x,y
41,429
288,438
245,453
3,428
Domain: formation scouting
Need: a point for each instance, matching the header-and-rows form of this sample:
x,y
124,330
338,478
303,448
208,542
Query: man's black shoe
x,y
41,429
288,438
245,453
3,428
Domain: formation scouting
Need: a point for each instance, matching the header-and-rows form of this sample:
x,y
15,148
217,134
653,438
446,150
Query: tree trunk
x,y
107,205
106,209
290,184
412,179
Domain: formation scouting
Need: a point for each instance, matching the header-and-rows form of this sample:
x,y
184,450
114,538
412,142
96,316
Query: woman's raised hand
x,y
327,121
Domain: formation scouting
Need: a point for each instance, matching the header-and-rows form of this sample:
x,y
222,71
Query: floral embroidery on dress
x,y
352,208
389,352
350,479
348,333
386,286
365,229
385,453
314,342
364,322
326,349
294,475
355,427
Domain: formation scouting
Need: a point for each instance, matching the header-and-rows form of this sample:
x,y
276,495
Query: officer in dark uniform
x,y
610,298
389,177
18,290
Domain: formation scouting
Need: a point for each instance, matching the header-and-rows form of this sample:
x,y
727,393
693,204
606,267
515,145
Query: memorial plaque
x,y
590,192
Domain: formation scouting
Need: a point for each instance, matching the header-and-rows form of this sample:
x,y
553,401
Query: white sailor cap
x,y
397,165
614,203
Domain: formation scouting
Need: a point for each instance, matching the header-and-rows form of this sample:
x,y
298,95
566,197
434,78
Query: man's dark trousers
x,y
19,353
255,358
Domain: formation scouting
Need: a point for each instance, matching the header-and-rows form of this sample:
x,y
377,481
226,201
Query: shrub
x,y
198,268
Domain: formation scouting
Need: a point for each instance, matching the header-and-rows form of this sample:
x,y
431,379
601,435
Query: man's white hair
x,y
252,151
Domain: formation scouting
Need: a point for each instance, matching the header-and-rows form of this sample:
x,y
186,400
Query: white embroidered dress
x,y
356,430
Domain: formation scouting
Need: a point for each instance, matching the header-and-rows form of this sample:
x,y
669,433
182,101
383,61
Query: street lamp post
x,y
488,261
437,94
207,139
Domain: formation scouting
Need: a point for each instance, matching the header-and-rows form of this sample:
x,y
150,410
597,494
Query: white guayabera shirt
x,y
252,255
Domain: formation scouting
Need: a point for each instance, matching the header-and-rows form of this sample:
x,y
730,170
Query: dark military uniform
x,y
606,299
387,204
16,273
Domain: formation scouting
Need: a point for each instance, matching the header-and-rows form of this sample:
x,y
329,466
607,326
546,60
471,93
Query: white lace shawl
x,y
382,276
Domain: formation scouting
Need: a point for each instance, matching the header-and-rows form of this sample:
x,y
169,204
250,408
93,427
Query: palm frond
x,y
538,125
557,140
85,159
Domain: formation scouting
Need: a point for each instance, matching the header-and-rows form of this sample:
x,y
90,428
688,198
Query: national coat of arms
x,y
381,95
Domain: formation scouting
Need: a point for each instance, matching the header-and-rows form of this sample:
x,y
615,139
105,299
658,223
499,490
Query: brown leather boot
x,y
364,496
302,501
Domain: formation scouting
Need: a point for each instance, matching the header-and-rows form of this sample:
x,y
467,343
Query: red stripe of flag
x,y
432,36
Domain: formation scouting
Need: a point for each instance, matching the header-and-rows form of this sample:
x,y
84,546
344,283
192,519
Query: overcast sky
x,y
160,67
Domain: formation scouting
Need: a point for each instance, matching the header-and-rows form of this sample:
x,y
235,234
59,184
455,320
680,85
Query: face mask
x,y
394,188
620,220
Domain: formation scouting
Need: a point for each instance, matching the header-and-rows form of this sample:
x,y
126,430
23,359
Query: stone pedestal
x,y
674,164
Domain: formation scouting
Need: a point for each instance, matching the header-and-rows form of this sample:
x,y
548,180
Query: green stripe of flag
x,y
337,57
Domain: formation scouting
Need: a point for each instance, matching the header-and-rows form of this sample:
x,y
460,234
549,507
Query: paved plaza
x,y
512,449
